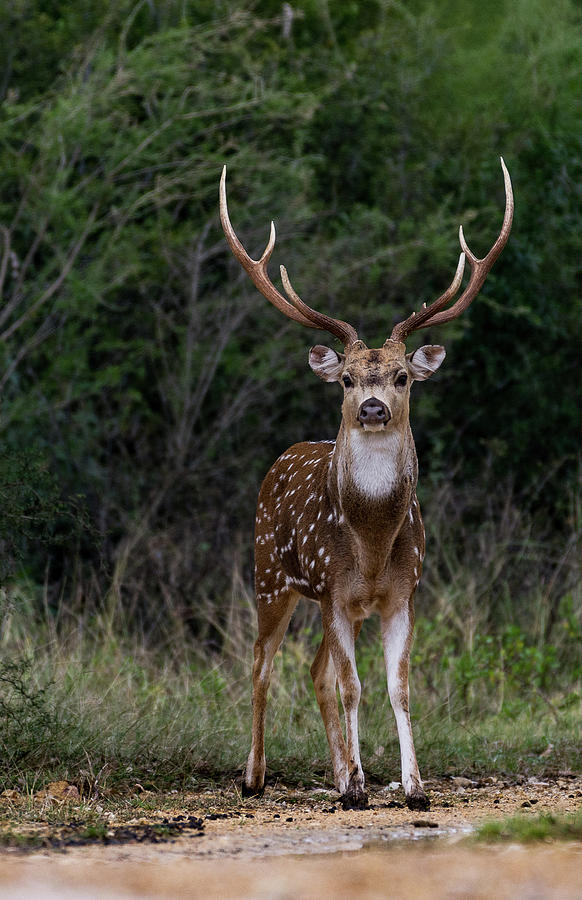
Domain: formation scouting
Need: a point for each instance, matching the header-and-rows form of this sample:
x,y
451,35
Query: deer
x,y
339,522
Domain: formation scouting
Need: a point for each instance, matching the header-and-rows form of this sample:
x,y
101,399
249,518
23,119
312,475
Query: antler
x,y
435,314
257,270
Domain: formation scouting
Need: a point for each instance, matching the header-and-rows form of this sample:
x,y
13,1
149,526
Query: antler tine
x,y
480,268
418,319
257,270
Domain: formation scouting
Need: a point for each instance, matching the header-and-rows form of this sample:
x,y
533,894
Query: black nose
x,y
373,412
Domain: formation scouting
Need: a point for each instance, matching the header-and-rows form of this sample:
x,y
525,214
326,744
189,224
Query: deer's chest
x,y
325,548
326,542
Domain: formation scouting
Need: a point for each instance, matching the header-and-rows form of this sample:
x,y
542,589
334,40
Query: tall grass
x,y
496,673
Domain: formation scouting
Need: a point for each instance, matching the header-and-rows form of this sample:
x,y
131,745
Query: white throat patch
x,y
377,461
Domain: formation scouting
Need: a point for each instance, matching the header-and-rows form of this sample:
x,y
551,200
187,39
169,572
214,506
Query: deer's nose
x,y
373,412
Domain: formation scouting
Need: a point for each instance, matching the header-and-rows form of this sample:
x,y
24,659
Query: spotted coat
x,y
304,542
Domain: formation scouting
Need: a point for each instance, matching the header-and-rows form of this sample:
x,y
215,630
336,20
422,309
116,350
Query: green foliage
x,y
29,719
544,827
33,512
507,659
136,358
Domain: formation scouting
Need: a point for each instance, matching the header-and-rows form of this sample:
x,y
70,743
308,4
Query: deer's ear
x,y
326,362
422,363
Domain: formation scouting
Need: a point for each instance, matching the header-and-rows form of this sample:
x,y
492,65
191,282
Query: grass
x,y
525,829
496,677
102,713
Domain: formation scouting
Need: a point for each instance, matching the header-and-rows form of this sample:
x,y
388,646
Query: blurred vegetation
x,y
543,827
141,371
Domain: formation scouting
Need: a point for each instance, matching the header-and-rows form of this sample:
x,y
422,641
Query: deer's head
x,y
376,382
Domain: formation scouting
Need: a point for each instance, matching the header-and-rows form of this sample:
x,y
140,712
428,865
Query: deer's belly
x,y
363,595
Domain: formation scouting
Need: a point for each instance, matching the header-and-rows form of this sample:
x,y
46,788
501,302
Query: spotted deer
x,y
339,522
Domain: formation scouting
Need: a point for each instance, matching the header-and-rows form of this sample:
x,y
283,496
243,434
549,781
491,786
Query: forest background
x,y
146,387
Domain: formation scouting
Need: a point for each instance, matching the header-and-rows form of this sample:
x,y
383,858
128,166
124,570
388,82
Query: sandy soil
x,y
302,844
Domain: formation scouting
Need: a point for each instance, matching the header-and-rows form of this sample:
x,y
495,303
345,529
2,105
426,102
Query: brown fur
x,y
321,536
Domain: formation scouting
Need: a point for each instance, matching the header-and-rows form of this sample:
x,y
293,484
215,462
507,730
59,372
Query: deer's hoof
x,y
247,791
354,799
418,801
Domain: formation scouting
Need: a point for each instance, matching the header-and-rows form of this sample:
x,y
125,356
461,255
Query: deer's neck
x,y
373,476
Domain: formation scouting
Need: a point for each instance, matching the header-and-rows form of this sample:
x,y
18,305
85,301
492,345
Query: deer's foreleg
x,y
340,634
273,622
397,630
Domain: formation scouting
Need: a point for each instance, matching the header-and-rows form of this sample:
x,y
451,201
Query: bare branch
x,y
58,282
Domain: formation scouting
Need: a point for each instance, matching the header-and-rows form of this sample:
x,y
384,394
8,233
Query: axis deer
x,y
339,522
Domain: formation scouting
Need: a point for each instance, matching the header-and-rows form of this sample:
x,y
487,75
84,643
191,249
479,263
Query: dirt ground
x,y
296,844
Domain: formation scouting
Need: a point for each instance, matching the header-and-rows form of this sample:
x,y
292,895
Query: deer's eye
x,y
401,380
347,381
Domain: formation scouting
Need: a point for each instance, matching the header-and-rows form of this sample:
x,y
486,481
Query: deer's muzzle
x,y
373,412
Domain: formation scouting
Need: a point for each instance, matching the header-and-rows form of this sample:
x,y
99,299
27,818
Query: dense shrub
x,y
135,356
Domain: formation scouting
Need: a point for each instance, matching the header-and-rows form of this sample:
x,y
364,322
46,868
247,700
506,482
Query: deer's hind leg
x,y
273,617
324,678
325,683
